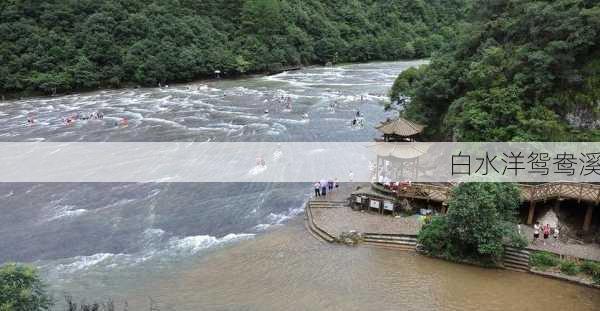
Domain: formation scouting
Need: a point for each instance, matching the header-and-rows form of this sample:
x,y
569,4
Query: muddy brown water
x,y
288,269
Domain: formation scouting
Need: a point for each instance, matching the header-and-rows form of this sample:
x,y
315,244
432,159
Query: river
x,y
223,246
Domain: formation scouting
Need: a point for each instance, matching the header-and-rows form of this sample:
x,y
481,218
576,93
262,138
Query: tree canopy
x,y
22,290
480,216
61,45
518,71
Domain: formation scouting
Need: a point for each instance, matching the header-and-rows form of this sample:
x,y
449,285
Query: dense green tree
x,y
22,290
520,70
48,46
480,216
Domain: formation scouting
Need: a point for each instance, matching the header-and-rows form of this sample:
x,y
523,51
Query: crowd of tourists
x,y
280,103
324,186
71,119
546,232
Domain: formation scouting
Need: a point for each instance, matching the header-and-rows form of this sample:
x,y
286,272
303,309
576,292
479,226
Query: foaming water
x,y
217,110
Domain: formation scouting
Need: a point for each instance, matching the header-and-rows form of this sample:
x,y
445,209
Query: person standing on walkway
x,y
323,184
546,232
317,189
536,232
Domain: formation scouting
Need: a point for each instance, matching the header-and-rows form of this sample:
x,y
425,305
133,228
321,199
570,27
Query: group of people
x,y
546,231
260,162
283,101
96,115
323,186
72,118
358,120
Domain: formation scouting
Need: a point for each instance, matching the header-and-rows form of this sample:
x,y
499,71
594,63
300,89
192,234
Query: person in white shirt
x,y
536,232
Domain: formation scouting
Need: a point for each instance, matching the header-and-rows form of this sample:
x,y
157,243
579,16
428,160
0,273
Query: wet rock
x,y
549,217
351,237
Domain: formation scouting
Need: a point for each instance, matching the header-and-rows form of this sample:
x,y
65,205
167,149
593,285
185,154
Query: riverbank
x,y
400,233
197,80
129,85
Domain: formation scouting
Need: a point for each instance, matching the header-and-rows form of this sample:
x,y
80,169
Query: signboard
x,y
358,199
374,204
388,206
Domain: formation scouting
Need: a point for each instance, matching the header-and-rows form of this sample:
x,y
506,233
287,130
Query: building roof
x,y
400,150
400,127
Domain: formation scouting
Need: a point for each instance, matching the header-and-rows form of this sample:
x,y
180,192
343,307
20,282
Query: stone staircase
x,y
327,204
516,259
313,228
392,241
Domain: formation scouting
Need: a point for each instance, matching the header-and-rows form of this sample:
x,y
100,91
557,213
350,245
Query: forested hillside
x,y
61,45
521,70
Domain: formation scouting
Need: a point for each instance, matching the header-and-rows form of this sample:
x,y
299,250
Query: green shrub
x,y
569,268
434,236
22,289
596,277
589,267
517,240
592,269
543,260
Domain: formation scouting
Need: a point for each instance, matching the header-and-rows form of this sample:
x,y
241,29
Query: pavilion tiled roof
x,y
401,127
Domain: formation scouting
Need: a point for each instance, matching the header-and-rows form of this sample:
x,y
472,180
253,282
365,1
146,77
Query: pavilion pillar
x,y
417,169
531,212
377,170
587,221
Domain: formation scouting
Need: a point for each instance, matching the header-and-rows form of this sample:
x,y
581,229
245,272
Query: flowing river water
x,y
230,246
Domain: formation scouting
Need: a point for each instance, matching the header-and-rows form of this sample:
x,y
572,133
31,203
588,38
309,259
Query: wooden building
x,y
400,130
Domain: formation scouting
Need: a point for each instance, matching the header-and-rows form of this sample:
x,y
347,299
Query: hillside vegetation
x,y
61,45
520,70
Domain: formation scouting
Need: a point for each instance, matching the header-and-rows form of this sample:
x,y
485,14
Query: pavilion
x,y
400,130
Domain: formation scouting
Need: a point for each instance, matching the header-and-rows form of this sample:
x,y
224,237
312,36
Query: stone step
x,y
327,205
516,253
516,263
326,236
316,230
322,234
391,242
391,238
516,269
390,246
328,202
312,232
517,256
510,249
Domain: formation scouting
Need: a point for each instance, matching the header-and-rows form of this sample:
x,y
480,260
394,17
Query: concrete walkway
x,y
586,251
343,219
